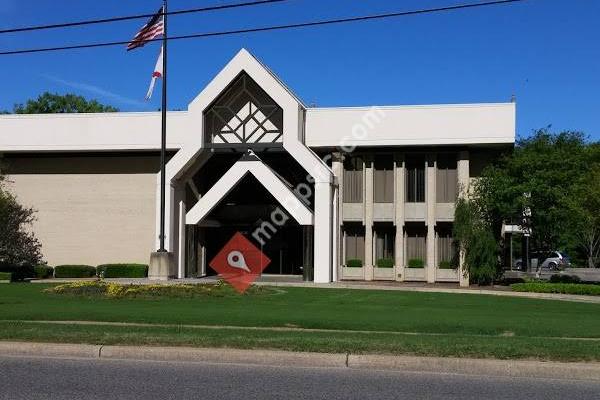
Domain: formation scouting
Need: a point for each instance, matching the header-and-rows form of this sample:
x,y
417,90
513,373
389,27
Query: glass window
x,y
446,179
384,242
446,247
383,180
415,179
355,242
353,179
416,242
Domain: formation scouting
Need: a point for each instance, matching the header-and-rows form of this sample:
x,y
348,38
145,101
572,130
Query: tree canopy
x,y
53,103
18,245
561,173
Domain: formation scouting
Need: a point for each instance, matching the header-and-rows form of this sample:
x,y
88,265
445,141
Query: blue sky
x,y
545,52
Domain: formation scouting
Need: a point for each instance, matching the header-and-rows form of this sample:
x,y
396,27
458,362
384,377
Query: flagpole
x,y
163,143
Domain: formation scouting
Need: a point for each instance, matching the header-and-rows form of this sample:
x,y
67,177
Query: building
x,y
316,188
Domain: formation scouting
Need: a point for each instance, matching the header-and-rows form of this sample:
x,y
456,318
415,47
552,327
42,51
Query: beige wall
x,y
92,209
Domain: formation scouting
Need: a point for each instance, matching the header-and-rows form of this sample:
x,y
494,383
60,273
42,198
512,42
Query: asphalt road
x,y
52,378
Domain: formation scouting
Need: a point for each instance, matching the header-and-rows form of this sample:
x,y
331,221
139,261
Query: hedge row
x,y
563,288
354,263
43,271
74,271
416,263
385,263
104,271
5,276
122,270
18,272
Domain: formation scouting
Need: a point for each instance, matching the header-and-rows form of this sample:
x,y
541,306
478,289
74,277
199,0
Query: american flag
x,y
154,28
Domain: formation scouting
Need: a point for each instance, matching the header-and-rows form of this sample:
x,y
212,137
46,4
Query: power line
x,y
271,28
138,16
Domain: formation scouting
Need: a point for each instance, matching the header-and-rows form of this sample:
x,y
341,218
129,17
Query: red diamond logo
x,y
240,262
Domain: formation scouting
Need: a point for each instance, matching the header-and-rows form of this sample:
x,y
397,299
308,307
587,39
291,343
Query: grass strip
x,y
342,309
326,342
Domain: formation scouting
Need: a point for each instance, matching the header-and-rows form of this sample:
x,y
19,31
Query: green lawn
x,y
405,322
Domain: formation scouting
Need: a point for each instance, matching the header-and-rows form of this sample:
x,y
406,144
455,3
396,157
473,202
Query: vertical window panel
x,y
353,180
415,179
383,179
446,178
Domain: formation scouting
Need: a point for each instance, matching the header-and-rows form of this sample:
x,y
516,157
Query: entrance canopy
x,y
251,164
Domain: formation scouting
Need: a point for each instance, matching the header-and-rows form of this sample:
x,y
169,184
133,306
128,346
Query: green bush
x,y
19,272
43,271
5,276
385,263
122,270
563,288
354,263
558,278
416,263
74,271
447,265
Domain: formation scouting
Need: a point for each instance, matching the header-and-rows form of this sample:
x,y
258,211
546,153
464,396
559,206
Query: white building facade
x,y
358,193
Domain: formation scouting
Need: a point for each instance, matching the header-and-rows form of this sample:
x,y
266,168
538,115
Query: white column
x,y
338,170
368,202
335,253
430,201
399,216
462,172
323,232
181,245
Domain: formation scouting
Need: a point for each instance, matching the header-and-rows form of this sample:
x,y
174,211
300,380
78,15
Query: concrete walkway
x,y
467,366
296,281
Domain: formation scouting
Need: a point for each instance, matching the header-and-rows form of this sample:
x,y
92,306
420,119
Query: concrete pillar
x,y
181,259
462,172
399,176
202,241
337,165
163,264
323,232
430,199
368,202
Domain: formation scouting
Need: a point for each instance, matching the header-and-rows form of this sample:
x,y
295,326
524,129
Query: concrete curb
x,y
465,366
470,366
225,356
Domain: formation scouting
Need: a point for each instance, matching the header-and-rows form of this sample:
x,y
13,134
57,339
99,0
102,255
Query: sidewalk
x,y
465,366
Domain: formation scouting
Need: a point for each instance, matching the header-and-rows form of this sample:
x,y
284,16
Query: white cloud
x,y
97,91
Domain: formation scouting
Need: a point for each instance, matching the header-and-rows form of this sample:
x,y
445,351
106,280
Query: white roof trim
x,y
289,201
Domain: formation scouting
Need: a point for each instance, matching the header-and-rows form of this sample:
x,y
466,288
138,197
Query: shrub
x,y
105,289
446,265
416,263
19,272
43,271
354,263
5,276
74,271
559,278
122,270
564,288
385,263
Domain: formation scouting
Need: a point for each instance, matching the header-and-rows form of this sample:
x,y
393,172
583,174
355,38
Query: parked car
x,y
553,260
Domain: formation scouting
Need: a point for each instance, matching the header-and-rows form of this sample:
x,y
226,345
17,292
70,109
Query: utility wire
x,y
271,28
138,16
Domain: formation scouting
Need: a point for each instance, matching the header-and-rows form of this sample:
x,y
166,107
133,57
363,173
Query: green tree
x,y
585,215
52,103
473,232
546,165
18,245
